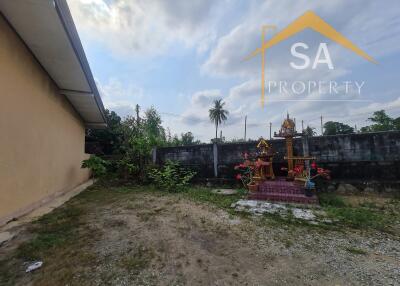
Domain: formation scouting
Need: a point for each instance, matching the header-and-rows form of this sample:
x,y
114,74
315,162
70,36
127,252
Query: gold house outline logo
x,y
308,20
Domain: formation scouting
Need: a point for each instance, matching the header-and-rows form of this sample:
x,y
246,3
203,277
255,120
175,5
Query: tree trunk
x,y
216,132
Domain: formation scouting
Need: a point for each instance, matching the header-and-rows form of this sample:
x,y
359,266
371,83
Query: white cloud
x,y
367,23
146,28
204,98
200,103
244,99
391,107
122,98
373,29
141,27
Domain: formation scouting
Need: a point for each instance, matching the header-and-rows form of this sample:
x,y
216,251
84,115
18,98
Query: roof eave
x,y
70,29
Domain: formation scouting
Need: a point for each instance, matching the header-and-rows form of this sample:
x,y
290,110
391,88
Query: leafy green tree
x,y
218,115
140,136
381,122
396,123
171,177
185,139
365,129
309,131
333,128
96,165
175,141
132,139
137,110
152,125
106,141
188,139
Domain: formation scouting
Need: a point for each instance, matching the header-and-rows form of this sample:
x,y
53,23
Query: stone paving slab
x,y
262,207
226,192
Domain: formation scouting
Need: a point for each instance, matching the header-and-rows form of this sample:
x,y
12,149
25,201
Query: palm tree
x,y
218,114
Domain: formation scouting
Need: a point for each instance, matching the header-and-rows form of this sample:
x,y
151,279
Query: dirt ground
x,y
146,238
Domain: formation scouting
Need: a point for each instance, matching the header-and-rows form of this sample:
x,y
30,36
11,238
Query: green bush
x,y
127,168
96,164
171,177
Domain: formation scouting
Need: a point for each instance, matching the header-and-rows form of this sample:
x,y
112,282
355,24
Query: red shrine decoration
x,y
258,176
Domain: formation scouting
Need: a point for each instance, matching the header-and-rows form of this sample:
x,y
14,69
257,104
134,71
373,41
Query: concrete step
x,y
281,186
281,189
282,197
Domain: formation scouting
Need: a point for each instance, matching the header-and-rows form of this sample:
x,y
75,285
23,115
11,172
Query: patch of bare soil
x,y
148,239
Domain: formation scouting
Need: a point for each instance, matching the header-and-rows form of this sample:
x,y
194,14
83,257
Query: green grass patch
x,y
330,200
204,195
287,242
52,235
289,222
137,260
367,215
356,251
370,205
7,275
51,230
359,217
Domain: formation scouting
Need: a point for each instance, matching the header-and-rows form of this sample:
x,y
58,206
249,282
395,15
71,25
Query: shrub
x,y
171,177
147,170
126,167
96,164
245,174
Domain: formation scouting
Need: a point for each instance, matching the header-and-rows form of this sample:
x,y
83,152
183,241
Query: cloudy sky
x,y
180,55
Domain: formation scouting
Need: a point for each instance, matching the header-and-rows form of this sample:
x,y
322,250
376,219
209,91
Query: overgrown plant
x,y
245,174
171,177
245,171
127,167
96,165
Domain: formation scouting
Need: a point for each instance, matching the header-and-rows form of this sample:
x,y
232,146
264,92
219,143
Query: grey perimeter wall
x,y
366,156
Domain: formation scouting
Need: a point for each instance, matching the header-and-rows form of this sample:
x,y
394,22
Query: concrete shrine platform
x,y
280,190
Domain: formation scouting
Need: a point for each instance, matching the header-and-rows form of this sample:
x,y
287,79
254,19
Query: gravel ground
x,y
147,239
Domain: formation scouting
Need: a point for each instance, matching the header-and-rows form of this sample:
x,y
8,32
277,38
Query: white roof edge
x,y
69,26
96,125
59,51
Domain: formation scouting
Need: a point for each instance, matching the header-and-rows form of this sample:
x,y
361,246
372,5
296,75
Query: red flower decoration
x,y
238,176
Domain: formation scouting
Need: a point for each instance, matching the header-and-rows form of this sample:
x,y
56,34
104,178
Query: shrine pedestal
x,y
281,190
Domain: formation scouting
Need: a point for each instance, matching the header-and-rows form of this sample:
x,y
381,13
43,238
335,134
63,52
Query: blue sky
x,y
180,55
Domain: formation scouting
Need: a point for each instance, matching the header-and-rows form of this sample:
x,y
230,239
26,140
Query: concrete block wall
x,y
369,156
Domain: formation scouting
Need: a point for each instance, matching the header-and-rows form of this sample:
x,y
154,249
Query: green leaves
x,y
382,122
333,128
96,164
127,167
309,131
218,114
171,177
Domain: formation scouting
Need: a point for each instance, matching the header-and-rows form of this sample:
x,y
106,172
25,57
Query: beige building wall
x,y
41,135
